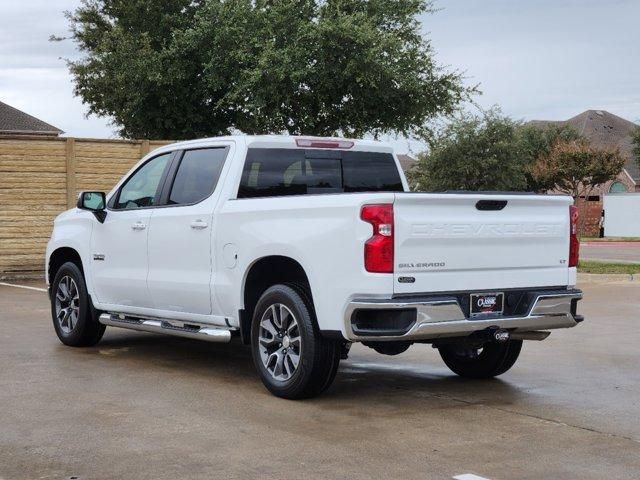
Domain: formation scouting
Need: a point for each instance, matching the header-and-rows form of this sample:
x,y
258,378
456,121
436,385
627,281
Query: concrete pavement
x,y
144,406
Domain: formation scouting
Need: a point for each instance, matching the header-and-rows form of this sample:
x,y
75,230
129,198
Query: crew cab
x,y
301,246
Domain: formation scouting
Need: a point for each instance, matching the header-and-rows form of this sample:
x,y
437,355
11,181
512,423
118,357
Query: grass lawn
x,y
610,239
590,266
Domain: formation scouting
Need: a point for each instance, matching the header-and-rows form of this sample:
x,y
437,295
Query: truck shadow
x,y
374,377
367,378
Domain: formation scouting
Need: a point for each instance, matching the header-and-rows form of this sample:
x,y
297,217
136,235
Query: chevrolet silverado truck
x,y
301,246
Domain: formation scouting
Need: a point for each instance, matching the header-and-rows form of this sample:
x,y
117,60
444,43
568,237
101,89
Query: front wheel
x,y
74,318
490,360
293,359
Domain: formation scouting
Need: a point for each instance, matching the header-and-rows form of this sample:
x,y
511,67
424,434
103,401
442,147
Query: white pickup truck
x,y
301,246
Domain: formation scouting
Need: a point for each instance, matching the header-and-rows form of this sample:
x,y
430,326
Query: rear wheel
x,y
294,361
486,361
74,318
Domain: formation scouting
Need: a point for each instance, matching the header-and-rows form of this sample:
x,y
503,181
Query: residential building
x,y
17,122
604,130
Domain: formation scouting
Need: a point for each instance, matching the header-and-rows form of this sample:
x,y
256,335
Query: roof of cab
x,y
283,141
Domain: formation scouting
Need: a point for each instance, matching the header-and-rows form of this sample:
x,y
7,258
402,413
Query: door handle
x,y
138,226
198,224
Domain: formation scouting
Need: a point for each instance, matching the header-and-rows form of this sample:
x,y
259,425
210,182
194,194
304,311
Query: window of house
x,y
617,187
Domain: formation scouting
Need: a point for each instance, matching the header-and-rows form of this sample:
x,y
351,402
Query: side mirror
x,y
95,202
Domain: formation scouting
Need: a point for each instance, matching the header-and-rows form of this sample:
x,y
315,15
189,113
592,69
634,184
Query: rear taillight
x,y
378,250
574,243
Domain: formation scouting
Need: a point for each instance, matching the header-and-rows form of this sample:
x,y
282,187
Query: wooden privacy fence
x,y
41,177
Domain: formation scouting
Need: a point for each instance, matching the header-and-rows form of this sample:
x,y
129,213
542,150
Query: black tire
x,y
318,357
86,331
494,359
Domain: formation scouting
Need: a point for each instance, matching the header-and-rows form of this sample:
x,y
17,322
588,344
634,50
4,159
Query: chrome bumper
x,y
441,318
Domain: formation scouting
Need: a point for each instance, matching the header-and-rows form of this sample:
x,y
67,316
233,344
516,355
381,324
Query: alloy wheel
x,y
279,341
67,304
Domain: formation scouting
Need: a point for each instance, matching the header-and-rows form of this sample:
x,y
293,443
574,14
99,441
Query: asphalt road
x,y
143,406
623,252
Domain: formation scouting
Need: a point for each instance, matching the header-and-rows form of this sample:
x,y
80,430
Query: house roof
x,y
14,121
406,162
605,130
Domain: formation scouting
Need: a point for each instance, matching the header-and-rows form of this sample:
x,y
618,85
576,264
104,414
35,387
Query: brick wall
x,y
590,214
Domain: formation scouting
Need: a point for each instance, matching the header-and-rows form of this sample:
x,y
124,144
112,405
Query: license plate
x,y
486,303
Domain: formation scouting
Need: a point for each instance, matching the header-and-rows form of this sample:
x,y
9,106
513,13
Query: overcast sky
x,y
537,59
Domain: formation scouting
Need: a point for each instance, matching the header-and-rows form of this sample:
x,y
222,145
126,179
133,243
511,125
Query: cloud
x,y
542,59
33,74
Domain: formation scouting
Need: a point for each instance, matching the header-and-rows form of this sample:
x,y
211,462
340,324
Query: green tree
x,y
188,68
537,141
473,152
576,168
489,151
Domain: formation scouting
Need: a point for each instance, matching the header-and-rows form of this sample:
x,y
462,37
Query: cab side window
x,y
197,175
141,188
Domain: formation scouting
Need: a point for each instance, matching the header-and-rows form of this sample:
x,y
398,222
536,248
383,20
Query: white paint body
x,y
170,270
622,215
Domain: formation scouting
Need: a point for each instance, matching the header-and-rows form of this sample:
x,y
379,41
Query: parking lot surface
x,y
141,406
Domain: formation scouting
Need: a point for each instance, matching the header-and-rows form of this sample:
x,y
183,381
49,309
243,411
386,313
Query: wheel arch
x,y
263,273
59,257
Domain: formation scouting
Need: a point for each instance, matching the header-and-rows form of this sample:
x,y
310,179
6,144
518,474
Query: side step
x,y
168,327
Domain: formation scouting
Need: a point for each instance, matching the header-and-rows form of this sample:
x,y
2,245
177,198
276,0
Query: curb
x,y
607,277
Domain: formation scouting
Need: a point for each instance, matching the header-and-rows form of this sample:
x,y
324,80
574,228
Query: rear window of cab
x,y
271,172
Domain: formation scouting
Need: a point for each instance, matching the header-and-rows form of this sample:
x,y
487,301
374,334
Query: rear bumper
x,y
434,317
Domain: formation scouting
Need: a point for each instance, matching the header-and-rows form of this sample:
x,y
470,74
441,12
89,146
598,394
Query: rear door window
x,y
280,172
197,175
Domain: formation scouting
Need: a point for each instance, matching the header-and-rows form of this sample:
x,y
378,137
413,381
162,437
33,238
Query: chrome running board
x,y
168,327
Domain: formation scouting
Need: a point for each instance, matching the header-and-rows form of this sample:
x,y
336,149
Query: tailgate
x,y
460,242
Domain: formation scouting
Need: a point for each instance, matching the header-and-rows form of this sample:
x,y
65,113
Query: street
x,y
147,406
619,252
